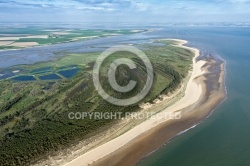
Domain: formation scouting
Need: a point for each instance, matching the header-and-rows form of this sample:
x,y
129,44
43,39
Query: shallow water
x,y
45,53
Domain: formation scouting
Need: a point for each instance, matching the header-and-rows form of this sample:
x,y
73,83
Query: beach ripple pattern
x,y
111,75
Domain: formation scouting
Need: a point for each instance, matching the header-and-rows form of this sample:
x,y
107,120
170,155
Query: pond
x,y
69,73
50,77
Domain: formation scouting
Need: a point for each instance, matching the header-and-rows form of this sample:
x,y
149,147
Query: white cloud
x,y
148,10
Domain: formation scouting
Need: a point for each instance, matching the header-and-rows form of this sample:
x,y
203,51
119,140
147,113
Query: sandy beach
x,y
116,151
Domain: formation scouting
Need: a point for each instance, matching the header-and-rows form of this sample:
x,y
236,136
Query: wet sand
x,y
204,91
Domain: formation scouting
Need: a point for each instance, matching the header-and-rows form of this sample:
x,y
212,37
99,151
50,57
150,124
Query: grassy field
x,y
35,113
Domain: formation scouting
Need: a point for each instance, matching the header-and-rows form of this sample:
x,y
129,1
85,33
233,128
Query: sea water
x,y
223,139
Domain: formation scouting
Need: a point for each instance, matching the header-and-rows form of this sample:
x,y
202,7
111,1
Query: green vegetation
x,y
34,115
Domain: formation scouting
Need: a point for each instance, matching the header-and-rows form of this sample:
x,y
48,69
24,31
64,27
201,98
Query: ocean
x,y
223,139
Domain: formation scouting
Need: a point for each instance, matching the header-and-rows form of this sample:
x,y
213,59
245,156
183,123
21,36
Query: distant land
x,y
22,37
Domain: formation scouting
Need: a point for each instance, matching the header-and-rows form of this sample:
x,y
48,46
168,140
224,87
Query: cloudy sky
x,y
158,11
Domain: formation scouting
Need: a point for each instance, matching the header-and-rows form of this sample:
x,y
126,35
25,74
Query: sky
x,y
134,11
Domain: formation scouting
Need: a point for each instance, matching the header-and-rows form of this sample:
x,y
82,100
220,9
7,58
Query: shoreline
x,y
192,116
108,152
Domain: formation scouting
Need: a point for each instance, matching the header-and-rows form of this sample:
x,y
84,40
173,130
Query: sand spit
x,y
133,140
